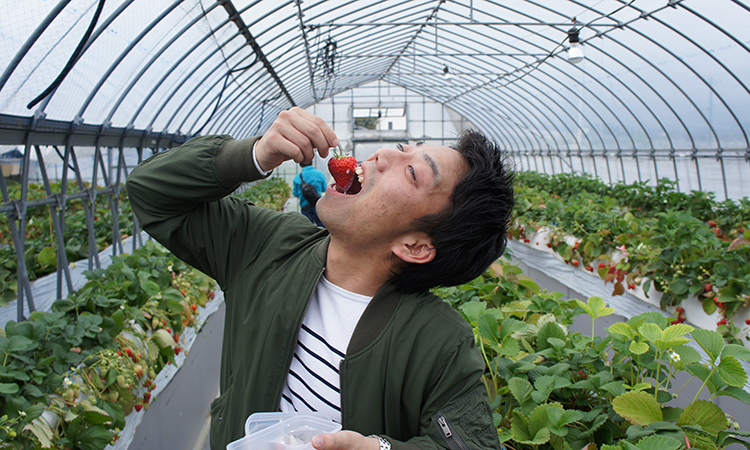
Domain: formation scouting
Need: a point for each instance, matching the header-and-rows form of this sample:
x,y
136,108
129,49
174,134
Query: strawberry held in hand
x,y
342,168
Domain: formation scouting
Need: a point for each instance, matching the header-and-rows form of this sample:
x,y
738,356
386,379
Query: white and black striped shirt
x,y
313,381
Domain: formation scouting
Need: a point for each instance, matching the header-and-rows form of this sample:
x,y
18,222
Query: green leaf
x,y
487,325
735,392
42,431
710,341
638,348
509,347
472,310
651,331
20,344
622,329
704,414
558,418
9,388
94,437
47,257
677,330
738,351
731,371
523,433
659,443
521,390
637,407
548,330
687,354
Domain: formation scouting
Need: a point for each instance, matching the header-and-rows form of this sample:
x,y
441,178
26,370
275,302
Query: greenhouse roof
x,y
657,74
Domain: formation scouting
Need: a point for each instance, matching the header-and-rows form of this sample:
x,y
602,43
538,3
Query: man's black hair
x,y
471,232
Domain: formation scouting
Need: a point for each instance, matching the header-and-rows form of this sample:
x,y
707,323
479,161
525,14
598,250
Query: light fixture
x,y
447,73
575,51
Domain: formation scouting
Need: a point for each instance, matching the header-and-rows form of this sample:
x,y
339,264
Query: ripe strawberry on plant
x,y
342,168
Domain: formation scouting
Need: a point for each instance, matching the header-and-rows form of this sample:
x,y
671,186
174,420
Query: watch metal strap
x,y
384,443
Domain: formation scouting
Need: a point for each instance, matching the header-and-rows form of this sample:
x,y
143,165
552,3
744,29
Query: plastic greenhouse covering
x,y
89,88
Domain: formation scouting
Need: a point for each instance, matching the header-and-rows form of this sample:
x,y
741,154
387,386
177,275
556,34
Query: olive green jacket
x,y
412,372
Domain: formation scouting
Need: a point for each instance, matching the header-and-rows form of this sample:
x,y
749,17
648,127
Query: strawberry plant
x,y
271,193
553,388
40,244
641,236
70,376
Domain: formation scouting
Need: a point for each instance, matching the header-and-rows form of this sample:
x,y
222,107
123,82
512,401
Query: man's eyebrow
x,y
433,165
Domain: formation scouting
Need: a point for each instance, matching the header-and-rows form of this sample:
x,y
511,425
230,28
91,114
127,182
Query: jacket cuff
x,y
235,162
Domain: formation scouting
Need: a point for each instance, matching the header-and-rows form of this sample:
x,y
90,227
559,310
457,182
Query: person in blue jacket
x,y
318,180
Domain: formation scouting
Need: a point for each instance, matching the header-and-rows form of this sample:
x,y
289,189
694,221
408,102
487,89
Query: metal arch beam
x,y
587,104
21,53
544,37
593,127
651,14
416,34
187,77
732,74
562,121
594,110
465,112
235,17
512,134
235,102
150,62
122,55
644,104
169,72
197,85
104,25
195,68
207,89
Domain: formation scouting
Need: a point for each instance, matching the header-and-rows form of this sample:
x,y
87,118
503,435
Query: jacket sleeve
x,y
181,198
456,411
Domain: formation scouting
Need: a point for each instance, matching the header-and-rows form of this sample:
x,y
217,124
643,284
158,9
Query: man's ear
x,y
415,248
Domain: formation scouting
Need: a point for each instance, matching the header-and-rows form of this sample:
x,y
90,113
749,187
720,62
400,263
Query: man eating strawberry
x,y
339,321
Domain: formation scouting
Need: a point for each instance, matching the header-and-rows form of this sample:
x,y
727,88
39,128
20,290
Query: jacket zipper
x,y
296,338
454,441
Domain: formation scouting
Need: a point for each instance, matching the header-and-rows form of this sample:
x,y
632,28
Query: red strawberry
x,y
138,406
747,321
342,169
194,307
146,397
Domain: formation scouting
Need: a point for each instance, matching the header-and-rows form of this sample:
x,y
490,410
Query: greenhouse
x,y
161,284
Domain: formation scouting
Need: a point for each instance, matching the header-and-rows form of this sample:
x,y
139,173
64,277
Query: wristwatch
x,y
384,443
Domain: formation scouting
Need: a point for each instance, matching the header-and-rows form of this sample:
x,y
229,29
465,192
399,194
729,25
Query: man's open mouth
x,y
356,185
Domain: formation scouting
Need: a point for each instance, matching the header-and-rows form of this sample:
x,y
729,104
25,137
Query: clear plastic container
x,y
293,433
260,421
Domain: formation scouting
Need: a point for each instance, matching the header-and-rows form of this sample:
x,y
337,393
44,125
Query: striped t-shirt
x,y
312,384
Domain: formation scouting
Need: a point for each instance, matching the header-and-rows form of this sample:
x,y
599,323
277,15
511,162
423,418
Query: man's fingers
x,y
344,440
325,137
293,135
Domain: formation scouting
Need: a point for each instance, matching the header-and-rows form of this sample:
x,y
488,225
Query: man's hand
x,y
293,135
345,440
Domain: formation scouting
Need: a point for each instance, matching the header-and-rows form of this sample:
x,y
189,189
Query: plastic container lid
x,y
289,433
